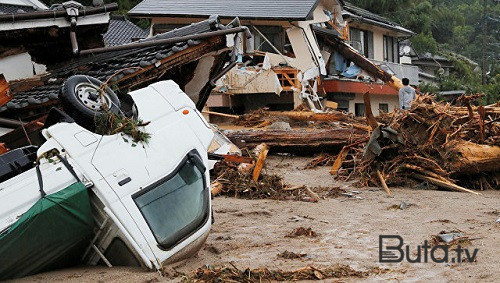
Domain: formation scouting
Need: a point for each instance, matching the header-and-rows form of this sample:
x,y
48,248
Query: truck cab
x,y
150,200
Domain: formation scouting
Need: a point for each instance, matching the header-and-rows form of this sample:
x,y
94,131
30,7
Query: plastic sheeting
x,y
53,233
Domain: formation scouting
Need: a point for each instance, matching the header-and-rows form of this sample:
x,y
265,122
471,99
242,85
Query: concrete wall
x,y
391,100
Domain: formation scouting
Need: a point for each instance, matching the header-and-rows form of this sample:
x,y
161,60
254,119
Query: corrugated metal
x,y
245,9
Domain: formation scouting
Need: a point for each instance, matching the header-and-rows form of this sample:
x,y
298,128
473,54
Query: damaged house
x,y
287,62
193,56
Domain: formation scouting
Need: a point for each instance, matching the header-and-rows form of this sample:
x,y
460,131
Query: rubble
x,y
233,274
290,255
442,144
301,231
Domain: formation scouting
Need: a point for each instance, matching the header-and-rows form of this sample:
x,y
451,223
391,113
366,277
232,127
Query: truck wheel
x,y
81,100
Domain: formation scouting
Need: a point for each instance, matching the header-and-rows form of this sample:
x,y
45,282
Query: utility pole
x,y
483,50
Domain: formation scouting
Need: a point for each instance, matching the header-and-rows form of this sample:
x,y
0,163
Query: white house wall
x,y
16,67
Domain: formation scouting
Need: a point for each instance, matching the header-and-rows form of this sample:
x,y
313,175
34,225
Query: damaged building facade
x,y
286,63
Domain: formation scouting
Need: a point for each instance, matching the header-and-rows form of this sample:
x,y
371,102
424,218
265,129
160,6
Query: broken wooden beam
x,y
297,141
221,114
370,119
442,184
383,183
262,151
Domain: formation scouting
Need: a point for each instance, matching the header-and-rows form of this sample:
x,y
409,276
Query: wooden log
x,y
297,141
310,116
442,184
470,158
384,185
215,188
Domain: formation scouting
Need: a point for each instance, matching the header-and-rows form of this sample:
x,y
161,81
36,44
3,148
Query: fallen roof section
x,y
297,10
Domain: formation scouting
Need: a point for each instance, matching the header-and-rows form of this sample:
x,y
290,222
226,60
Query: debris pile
x,y
232,274
441,144
233,181
290,255
301,231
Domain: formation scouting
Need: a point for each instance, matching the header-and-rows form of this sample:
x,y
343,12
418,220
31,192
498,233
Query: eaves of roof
x,y
393,27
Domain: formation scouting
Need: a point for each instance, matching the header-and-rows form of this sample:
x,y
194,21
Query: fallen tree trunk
x,y
471,158
310,116
297,141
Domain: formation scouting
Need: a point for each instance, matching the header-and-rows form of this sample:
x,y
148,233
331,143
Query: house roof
x,y
23,5
11,9
244,9
122,31
362,15
103,66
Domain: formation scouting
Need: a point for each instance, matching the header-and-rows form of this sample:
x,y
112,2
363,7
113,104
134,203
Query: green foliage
x,y
111,123
424,42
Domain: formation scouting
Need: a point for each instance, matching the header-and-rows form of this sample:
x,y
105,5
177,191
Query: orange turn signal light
x,y
185,111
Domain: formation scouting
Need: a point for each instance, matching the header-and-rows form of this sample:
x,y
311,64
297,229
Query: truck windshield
x,y
176,206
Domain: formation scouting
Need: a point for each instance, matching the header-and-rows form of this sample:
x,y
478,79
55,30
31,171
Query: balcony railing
x,y
400,70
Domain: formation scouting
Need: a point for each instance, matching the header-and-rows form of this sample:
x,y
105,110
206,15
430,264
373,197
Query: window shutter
x,y
396,50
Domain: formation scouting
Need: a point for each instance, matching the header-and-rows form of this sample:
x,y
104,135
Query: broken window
x,y
274,35
391,49
343,105
359,109
383,108
362,40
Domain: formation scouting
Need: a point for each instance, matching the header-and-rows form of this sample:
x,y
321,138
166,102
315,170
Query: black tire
x,y
80,99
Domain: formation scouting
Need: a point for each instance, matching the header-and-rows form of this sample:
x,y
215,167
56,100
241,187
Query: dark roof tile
x,y
102,66
122,31
245,9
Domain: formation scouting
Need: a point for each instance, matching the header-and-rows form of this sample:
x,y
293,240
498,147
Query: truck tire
x,y
80,99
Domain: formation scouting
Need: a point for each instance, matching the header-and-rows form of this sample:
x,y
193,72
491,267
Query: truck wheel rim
x,y
85,92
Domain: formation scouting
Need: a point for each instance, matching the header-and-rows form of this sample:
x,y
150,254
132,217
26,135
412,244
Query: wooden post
x,y
370,119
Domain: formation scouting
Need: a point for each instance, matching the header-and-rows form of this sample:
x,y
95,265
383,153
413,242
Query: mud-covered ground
x,y
251,233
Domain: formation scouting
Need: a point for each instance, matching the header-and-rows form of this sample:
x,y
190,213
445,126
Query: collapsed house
x,y
193,56
286,62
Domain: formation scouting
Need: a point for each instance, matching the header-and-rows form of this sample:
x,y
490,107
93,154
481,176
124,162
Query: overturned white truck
x,y
104,199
